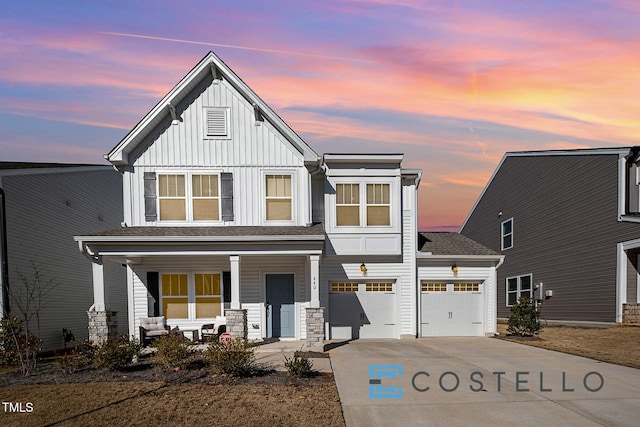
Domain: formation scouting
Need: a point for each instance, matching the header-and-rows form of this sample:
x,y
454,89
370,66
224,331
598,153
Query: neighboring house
x,y
567,219
42,205
227,210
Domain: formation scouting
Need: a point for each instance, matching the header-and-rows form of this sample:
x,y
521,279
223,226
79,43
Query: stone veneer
x,y
315,328
103,326
631,313
236,323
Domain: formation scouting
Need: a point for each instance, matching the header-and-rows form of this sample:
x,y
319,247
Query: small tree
x,y
525,319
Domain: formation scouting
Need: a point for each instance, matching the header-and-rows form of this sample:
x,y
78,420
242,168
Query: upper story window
x,y
378,205
194,199
348,204
519,286
278,199
507,234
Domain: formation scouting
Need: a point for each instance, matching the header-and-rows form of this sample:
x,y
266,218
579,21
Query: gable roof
x,y
450,243
618,151
211,64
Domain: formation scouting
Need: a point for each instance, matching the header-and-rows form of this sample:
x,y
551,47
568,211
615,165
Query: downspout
x,y
4,269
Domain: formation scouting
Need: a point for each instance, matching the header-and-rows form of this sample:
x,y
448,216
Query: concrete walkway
x,y
479,382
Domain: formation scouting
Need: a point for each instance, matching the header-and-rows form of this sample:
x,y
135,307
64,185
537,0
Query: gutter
x,y
4,269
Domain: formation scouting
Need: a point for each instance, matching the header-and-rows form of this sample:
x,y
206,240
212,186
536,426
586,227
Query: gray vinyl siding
x,y
44,212
565,230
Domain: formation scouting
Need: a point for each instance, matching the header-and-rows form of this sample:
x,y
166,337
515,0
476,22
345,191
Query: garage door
x,y
451,309
362,310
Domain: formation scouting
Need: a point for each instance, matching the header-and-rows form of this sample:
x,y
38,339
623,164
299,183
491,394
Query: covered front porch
x,y
265,283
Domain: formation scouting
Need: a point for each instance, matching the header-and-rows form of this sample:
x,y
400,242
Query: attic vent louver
x,y
216,124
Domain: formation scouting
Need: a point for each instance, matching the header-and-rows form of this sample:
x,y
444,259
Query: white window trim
x,y
359,204
227,123
191,296
393,205
367,204
188,196
502,235
294,196
519,288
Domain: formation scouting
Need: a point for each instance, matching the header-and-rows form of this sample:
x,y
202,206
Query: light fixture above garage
x,y
454,270
363,268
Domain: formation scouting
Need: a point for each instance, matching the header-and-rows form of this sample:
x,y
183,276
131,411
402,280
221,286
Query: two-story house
x,y
567,219
227,210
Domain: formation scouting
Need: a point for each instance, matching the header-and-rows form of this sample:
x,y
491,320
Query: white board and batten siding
x,y
45,209
248,153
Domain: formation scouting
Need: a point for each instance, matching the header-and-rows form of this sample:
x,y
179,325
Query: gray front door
x,y
280,306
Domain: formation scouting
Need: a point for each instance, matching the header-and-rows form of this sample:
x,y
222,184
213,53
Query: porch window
x,y
378,205
348,204
175,296
278,197
519,286
208,296
172,198
206,198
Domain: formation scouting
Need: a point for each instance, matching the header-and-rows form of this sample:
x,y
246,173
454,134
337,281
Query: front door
x,y
280,306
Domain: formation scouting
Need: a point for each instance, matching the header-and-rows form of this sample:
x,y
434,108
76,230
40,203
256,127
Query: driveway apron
x,y
479,382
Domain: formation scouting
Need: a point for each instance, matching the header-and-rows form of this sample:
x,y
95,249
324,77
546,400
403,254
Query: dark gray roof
x,y
228,231
27,165
449,243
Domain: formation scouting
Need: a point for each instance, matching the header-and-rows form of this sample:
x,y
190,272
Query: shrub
x,y
116,354
17,346
524,319
300,367
236,358
71,362
173,352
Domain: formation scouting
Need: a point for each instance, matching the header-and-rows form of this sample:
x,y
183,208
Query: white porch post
x,y
99,291
314,263
621,281
235,281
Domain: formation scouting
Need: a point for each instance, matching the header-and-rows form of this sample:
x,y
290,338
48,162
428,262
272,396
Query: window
x,y
175,296
348,204
216,123
379,287
434,287
208,296
466,287
203,195
278,197
344,286
507,234
517,287
172,198
378,206
191,296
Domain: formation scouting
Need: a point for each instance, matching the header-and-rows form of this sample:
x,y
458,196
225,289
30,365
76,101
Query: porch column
x,y
103,323
99,297
314,263
235,281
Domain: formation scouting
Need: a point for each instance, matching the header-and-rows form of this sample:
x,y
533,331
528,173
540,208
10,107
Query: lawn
x,y
180,398
616,344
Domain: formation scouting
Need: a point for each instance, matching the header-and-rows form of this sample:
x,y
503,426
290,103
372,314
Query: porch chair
x,y
152,328
213,330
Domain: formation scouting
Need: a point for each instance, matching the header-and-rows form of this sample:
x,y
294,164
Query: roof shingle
x,y
449,243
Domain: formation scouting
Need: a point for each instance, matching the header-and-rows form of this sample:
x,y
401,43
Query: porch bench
x,y
213,330
152,328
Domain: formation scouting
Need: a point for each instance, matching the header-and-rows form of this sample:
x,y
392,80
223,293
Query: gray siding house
x,y
566,219
42,205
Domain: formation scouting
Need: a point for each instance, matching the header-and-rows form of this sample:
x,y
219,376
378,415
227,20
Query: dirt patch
x,y
616,344
152,396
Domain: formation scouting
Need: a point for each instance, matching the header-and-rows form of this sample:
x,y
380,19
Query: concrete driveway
x,y
479,382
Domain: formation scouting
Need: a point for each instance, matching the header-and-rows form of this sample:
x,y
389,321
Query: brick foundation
x,y
103,326
631,313
236,323
315,328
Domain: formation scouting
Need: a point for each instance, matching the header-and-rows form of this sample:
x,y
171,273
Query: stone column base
x,y
315,328
237,323
103,326
631,313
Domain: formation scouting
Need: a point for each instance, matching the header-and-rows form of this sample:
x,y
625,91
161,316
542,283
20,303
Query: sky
x,y
451,84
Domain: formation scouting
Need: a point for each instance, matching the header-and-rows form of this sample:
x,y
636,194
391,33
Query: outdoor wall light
x,y
363,268
454,270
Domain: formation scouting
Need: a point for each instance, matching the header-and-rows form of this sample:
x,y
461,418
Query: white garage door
x,y
451,309
362,310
